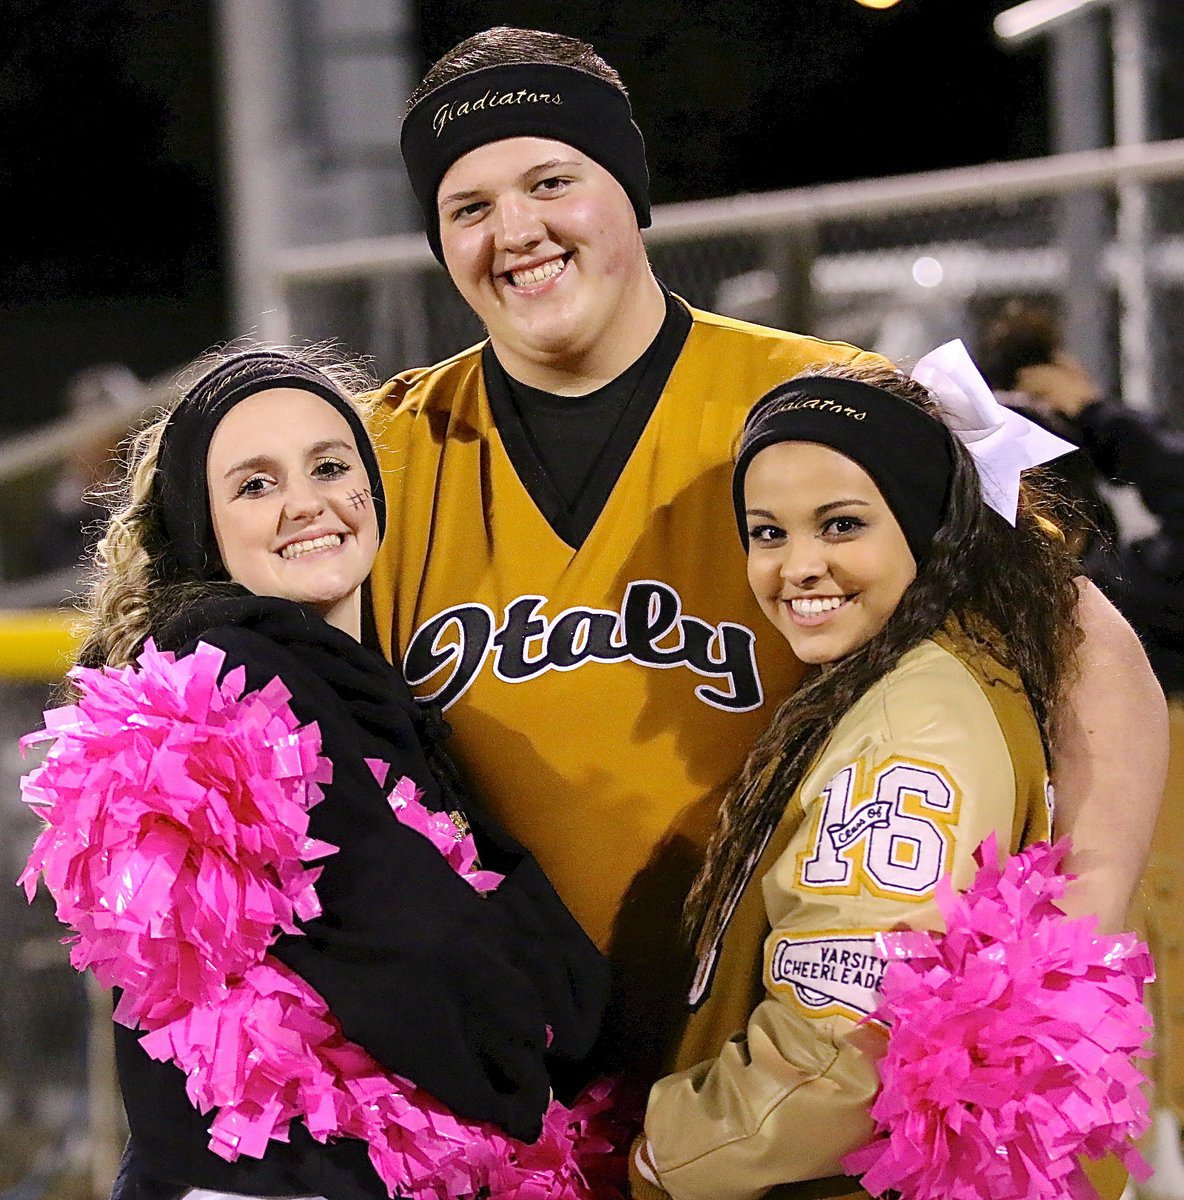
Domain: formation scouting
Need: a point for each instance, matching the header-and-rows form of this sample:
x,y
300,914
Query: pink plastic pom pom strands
x,y
1011,1046
176,847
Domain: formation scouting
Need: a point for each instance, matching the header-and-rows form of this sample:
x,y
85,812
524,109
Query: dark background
x,y
109,176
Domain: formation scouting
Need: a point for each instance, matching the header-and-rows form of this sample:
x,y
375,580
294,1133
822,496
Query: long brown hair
x,y
1010,589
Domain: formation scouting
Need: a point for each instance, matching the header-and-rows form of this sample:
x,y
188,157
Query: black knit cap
x,y
564,104
180,480
908,453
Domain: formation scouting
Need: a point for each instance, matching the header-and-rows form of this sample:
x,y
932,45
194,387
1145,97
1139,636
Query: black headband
x,y
542,100
180,479
908,453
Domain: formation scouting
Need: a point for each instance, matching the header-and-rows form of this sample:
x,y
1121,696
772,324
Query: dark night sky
x,y
750,94
108,178
109,174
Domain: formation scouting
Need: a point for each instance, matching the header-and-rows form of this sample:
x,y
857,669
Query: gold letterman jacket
x,y
775,1073
601,697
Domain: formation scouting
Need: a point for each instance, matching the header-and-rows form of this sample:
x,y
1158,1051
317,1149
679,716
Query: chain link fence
x,y
47,1057
894,265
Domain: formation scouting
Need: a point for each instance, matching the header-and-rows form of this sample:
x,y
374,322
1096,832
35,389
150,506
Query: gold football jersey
x,y
601,697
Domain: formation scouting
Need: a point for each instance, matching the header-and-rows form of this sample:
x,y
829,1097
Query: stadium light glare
x,y
877,3
1034,17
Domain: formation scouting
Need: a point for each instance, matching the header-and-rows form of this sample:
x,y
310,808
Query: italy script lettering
x,y
450,649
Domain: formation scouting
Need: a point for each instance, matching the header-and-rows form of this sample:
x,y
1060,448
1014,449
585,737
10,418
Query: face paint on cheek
x,y
358,499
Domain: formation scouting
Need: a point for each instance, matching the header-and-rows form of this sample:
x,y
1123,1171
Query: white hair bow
x,y
1002,442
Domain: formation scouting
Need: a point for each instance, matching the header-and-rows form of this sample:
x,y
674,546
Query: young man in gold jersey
x,y
560,571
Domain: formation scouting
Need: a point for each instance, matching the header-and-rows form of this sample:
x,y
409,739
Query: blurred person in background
x,y
1024,358
73,515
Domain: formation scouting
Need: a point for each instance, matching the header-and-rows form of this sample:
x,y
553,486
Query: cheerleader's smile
x,y
827,561
289,501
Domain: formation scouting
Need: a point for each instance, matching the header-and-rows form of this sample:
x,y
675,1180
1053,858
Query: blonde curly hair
x,y
134,584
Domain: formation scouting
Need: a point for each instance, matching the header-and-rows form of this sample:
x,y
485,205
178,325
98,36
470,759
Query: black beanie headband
x,y
542,100
180,480
908,453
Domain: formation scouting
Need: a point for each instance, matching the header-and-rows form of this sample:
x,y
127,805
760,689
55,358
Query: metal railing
x,y
847,259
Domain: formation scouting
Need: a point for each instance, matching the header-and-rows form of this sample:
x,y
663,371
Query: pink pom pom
x,y
1011,1044
176,837
581,1153
176,818
272,1051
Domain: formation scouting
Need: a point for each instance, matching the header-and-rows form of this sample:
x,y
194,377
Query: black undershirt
x,y
569,451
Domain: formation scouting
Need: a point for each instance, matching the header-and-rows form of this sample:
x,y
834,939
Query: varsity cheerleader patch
x,y
826,974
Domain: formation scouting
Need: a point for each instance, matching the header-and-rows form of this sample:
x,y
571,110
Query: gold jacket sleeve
x,y
913,778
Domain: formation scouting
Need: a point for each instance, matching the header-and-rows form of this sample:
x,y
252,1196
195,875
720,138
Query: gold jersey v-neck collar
x,y
571,496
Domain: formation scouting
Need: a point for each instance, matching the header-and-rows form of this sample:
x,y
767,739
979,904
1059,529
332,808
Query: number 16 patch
x,y
888,832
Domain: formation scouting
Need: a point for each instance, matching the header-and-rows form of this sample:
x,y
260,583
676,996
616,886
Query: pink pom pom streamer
x,y
582,1153
1012,1040
176,818
271,1052
176,836
457,846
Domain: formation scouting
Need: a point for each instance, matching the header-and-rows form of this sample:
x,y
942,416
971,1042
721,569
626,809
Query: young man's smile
x,y
531,277
543,243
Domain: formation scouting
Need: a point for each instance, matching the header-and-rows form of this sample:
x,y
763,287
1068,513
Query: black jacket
x,y
1147,584
446,987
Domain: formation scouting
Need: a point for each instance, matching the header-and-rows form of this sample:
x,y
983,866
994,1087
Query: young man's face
x,y
543,243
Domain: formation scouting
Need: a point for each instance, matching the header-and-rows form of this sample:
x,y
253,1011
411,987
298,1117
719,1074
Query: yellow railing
x,y
37,644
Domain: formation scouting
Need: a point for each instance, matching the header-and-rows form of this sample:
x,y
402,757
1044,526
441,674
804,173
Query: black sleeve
x,y
411,961
1138,448
538,931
